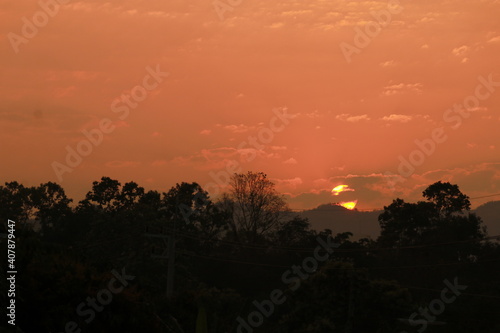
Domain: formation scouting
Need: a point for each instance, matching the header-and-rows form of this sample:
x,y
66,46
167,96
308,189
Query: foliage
x,y
234,250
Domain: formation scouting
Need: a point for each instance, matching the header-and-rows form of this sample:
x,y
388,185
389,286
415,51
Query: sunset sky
x,y
276,71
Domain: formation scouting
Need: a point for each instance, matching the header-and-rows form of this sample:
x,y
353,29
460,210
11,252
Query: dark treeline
x,y
231,253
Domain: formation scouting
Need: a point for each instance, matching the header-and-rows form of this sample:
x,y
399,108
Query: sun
x,y
341,188
348,204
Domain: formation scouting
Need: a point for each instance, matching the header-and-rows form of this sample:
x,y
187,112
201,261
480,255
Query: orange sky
x,y
231,73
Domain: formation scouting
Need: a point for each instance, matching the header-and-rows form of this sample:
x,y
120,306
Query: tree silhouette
x,y
364,285
52,204
16,203
104,196
444,218
447,198
188,208
254,206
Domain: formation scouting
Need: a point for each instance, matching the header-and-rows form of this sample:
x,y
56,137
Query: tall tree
x,y
103,197
447,198
294,233
188,207
255,206
16,203
130,195
405,224
52,204
444,218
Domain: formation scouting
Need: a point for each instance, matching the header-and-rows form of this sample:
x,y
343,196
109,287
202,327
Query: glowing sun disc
x,y
340,188
349,204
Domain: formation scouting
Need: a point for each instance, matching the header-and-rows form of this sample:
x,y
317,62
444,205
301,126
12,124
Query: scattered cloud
x,y
277,25
460,51
352,119
401,88
397,118
389,63
495,39
291,183
241,128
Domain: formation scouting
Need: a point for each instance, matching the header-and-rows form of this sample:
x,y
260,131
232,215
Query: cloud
x,y
219,158
397,117
296,12
158,163
207,159
460,51
214,64
389,63
495,39
402,88
277,25
473,180
352,119
241,128
291,183
478,109
322,183
314,114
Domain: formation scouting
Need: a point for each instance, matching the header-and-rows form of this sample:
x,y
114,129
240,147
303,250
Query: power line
x,y
486,196
185,234
461,293
216,258
231,260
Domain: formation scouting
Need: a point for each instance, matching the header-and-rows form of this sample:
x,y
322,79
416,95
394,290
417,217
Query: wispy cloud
x,y
397,118
402,88
352,119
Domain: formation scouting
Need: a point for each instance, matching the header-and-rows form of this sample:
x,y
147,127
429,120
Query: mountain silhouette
x,y
490,213
364,224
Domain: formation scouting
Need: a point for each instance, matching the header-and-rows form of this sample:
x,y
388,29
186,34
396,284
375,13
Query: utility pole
x,y
171,265
350,309
168,253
